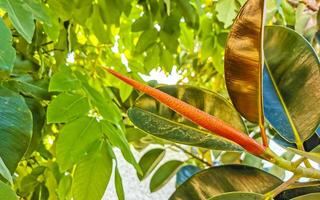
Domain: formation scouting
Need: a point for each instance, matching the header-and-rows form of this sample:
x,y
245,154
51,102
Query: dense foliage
x,y
61,114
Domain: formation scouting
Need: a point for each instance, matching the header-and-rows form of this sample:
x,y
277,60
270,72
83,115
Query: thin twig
x,y
192,155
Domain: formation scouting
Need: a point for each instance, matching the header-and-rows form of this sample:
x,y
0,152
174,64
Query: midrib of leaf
x,y
293,126
68,107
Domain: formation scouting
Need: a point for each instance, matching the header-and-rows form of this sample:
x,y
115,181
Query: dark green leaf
x,y
149,162
189,13
164,174
141,24
221,179
15,127
313,196
160,121
38,10
7,52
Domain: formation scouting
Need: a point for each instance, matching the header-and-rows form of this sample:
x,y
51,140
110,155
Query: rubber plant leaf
x,y
244,61
159,120
291,84
220,179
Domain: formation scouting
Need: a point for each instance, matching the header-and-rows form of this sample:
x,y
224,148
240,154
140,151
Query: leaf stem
x,y
192,155
290,166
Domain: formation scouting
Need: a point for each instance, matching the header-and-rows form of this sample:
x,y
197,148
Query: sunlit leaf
x,y
289,77
226,178
149,161
243,60
7,192
4,171
315,156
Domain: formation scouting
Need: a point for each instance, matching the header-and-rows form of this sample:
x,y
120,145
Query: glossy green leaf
x,y
313,196
226,178
21,18
164,174
75,139
92,175
160,121
4,171
243,61
7,52
189,13
7,192
149,162
15,127
66,107
239,195
288,79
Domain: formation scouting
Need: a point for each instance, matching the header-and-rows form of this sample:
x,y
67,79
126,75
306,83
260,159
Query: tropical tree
x,y
250,78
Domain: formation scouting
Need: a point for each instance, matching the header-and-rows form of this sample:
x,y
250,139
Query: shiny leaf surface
x,y
15,127
227,178
239,195
289,78
160,121
313,196
243,60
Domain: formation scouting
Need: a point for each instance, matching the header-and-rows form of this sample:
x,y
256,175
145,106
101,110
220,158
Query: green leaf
x,y
239,195
4,171
38,10
166,60
299,189
226,11
63,81
20,17
189,13
7,192
141,24
288,79
226,178
164,174
149,162
15,127
160,121
118,184
66,107
75,139
7,52
38,116
118,139
92,175
146,40
64,186
98,27
313,196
